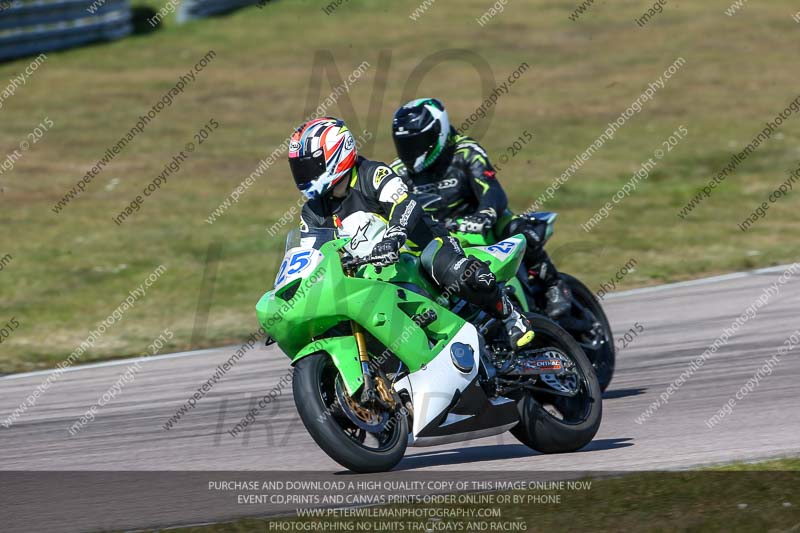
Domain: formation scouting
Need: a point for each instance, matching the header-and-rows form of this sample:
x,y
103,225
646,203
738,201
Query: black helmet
x,y
420,130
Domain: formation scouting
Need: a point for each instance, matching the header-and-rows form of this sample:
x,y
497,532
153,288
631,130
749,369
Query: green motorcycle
x,y
586,321
384,359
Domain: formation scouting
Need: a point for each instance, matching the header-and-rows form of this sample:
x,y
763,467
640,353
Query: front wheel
x,y
563,412
360,439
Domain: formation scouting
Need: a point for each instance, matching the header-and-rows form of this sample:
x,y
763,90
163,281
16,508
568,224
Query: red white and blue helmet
x,y
322,152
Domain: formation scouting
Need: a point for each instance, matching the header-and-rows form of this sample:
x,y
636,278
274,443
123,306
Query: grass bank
x,y
70,270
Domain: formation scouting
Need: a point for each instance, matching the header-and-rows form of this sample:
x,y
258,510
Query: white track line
x,y
643,290
117,362
700,281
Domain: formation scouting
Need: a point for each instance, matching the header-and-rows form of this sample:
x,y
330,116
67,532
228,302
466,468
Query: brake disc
x,y
363,417
564,381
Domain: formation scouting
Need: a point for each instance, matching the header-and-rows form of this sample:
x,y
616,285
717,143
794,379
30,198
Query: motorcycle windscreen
x,y
309,238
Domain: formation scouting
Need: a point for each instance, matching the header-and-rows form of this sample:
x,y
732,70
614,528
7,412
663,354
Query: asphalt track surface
x,y
679,322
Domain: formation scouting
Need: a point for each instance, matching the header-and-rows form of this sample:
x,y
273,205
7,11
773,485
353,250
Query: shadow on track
x,y
623,393
478,454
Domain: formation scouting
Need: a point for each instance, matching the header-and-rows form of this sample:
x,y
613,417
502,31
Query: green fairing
x,y
344,352
507,270
519,291
473,239
326,297
406,270
504,269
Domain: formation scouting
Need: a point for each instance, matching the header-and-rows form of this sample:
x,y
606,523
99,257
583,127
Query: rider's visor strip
x,y
412,145
307,168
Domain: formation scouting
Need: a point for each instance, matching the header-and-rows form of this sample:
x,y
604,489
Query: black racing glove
x,y
477,223
386,252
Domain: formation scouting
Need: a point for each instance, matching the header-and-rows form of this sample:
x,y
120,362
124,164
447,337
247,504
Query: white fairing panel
x,y
432,388
366,230
298,262
502,249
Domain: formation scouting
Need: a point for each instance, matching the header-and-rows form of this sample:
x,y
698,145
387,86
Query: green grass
x,y
738,497
71,270
787,464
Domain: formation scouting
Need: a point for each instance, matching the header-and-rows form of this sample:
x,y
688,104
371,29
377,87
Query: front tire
x,y
556,424
314,390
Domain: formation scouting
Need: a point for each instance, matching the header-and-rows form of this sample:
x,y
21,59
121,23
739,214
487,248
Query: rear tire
x,y
314,397
603,359
539,428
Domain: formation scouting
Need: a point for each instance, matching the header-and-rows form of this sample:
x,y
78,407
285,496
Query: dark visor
x,y
307,168
412,145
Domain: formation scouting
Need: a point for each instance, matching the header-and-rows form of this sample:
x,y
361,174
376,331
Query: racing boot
x,y
518,327
559,299
557,292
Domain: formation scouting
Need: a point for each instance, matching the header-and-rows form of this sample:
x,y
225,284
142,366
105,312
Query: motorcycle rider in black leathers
x,y
435,158
348,193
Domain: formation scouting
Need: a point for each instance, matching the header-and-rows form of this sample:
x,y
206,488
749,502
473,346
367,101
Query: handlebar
x,y
350,262
452,225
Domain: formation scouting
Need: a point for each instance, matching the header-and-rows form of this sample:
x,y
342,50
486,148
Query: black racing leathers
x,y
376,189
466,181
462,176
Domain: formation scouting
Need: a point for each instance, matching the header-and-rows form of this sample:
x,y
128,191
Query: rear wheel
x,y
359,438
598,344
564,412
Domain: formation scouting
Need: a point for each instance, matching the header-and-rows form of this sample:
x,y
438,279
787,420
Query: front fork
x,y
372,384
368,392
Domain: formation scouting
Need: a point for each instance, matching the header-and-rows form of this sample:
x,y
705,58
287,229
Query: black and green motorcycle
x,y
586,321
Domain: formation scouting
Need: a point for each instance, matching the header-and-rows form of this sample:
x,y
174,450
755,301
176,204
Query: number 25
x,y
297,262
